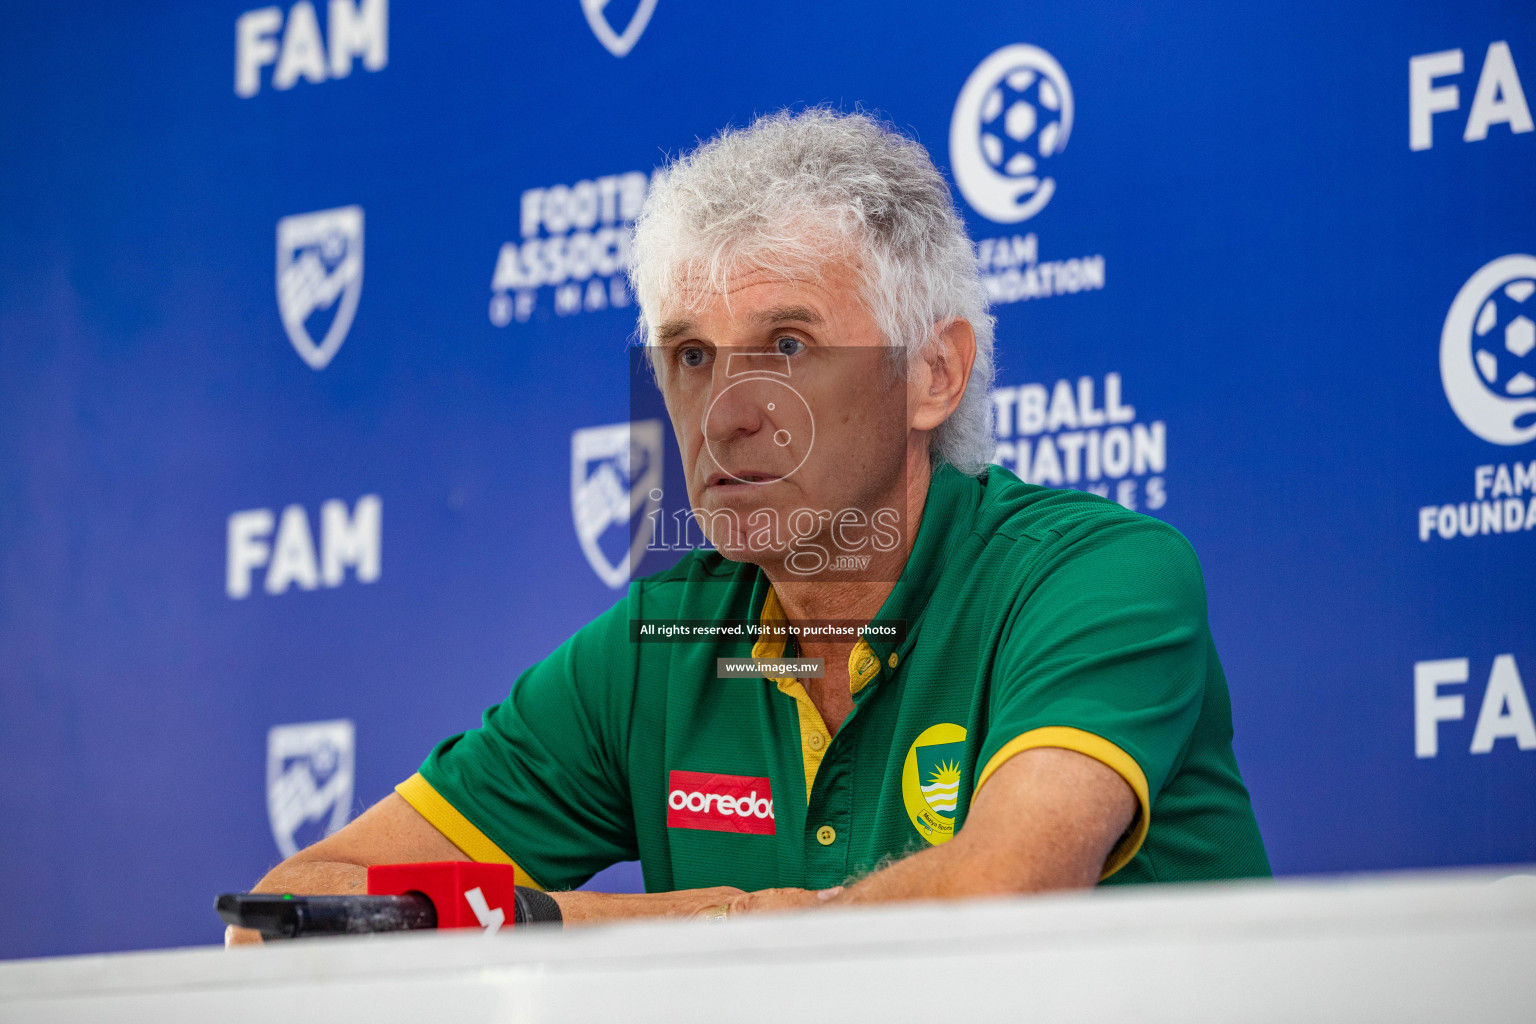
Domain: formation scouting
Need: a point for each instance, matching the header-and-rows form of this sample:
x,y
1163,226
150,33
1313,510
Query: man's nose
x,y
734,410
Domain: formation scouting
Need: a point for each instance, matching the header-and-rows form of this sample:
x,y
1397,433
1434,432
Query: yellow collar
x,y
863,663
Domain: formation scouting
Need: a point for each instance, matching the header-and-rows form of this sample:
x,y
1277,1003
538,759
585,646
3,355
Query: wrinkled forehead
x,y
756,289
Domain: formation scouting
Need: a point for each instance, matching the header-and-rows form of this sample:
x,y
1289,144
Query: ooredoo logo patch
x,y
720,803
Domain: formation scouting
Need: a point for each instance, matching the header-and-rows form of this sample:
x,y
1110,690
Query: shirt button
x,y
816,741
893,659
826,835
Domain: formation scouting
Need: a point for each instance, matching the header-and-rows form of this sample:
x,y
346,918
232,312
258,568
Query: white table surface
x,y
1435,947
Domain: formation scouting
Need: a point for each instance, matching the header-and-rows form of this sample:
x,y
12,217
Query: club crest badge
x,y
319,279
310,774
931,781
617,43
616,477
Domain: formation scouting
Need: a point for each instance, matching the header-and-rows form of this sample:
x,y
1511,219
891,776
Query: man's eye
x,y
692,356
789,346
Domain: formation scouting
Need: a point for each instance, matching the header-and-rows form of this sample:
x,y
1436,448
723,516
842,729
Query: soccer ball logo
x,y
1503,338
1487,363
1014,113
1013,137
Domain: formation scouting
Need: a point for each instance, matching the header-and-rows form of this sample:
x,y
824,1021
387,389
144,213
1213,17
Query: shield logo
x,y
618,43
319,271
938,774
310,772
931,781
616,471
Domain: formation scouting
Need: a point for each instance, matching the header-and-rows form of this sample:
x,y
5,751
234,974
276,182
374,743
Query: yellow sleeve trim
x,y
1100,749
461,832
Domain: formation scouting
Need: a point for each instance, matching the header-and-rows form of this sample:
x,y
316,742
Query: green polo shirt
x,y
1036,618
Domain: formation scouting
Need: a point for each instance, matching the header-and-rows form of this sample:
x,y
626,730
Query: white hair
x,y
790,192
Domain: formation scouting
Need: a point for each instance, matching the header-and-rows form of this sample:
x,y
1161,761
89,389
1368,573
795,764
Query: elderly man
x,y
1052,714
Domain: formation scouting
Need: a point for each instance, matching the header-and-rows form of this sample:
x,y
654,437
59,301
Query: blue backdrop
x,y
305,311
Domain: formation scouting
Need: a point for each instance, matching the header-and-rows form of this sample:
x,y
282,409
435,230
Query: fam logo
x,y
1499,99
1083,435
319,279
310,774
1505,711
354,29
352,538
931,781
575,246
1488,370
616,486
1013,116
1014,113
1485,352
617,42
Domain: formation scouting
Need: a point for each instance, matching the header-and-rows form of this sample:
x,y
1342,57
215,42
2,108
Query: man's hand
x,y
582,908
768,900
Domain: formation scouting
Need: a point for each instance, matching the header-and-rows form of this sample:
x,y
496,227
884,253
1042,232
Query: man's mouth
x,y
741,478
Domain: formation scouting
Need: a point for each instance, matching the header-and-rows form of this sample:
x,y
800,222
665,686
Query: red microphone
x,y
465,894
401,897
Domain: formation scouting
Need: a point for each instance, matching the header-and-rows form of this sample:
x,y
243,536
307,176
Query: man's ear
x,y
942,373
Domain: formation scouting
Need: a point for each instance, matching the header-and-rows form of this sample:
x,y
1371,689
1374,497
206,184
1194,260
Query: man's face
x,y
791,420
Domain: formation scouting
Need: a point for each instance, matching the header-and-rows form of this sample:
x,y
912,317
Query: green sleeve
x,y
544,778
1105,653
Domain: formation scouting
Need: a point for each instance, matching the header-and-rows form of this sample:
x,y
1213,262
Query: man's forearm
x,y
319,877
1046,821
307,878
315,878
579,908
942,872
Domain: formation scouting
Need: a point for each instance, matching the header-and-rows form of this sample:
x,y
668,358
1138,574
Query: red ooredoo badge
x,y
720,803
